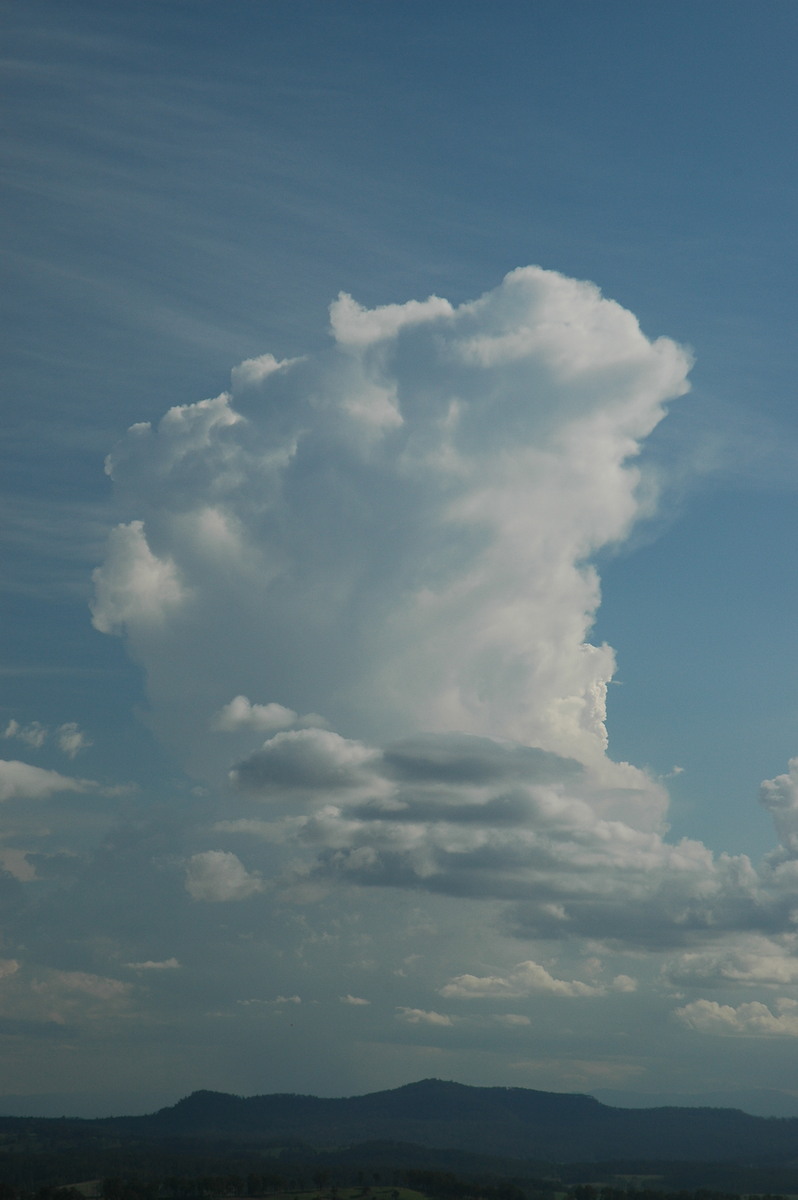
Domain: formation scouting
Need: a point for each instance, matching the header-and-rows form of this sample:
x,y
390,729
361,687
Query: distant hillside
x,y
509,1122
759,1102
504,1123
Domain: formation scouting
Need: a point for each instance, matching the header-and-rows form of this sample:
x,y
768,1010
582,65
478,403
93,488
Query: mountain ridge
x,y
513,1122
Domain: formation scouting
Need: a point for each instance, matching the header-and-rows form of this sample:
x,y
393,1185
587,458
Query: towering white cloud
x,y
399,534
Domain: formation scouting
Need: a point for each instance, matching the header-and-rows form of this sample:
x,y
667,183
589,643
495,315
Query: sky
x,y
399,652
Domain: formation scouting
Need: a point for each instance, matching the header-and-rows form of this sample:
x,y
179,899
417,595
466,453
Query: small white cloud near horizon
x,y
419,1016
752,1019
97,986
356,1001
526,979
168,964
219,876
271,1003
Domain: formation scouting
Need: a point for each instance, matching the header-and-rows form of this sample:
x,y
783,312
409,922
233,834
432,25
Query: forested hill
x,y
510,1122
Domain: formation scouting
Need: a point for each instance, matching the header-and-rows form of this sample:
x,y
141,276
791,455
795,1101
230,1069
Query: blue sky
x,y
259,657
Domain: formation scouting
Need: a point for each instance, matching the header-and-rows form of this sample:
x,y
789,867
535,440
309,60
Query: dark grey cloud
x,y
460,759
566,847
311,759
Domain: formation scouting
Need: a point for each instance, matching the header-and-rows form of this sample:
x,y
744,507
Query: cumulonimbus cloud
x,y
400,534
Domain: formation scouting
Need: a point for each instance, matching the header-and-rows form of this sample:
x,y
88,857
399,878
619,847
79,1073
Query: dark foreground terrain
x,y
445,1140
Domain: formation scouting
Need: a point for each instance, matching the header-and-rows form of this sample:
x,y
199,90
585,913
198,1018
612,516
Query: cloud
x,y
753,1019
134,587
458,759
418,1016
401,533
71,739
96,986
168,964
469,816
241,714
219,876
33,735
748,961
75,996
398,533
312,759
355,1001
277,832
527,979
277,1000
357,327
780,797
257,370
21,781
17,864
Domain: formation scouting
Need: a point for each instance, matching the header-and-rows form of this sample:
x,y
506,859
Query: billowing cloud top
x,y
398,535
